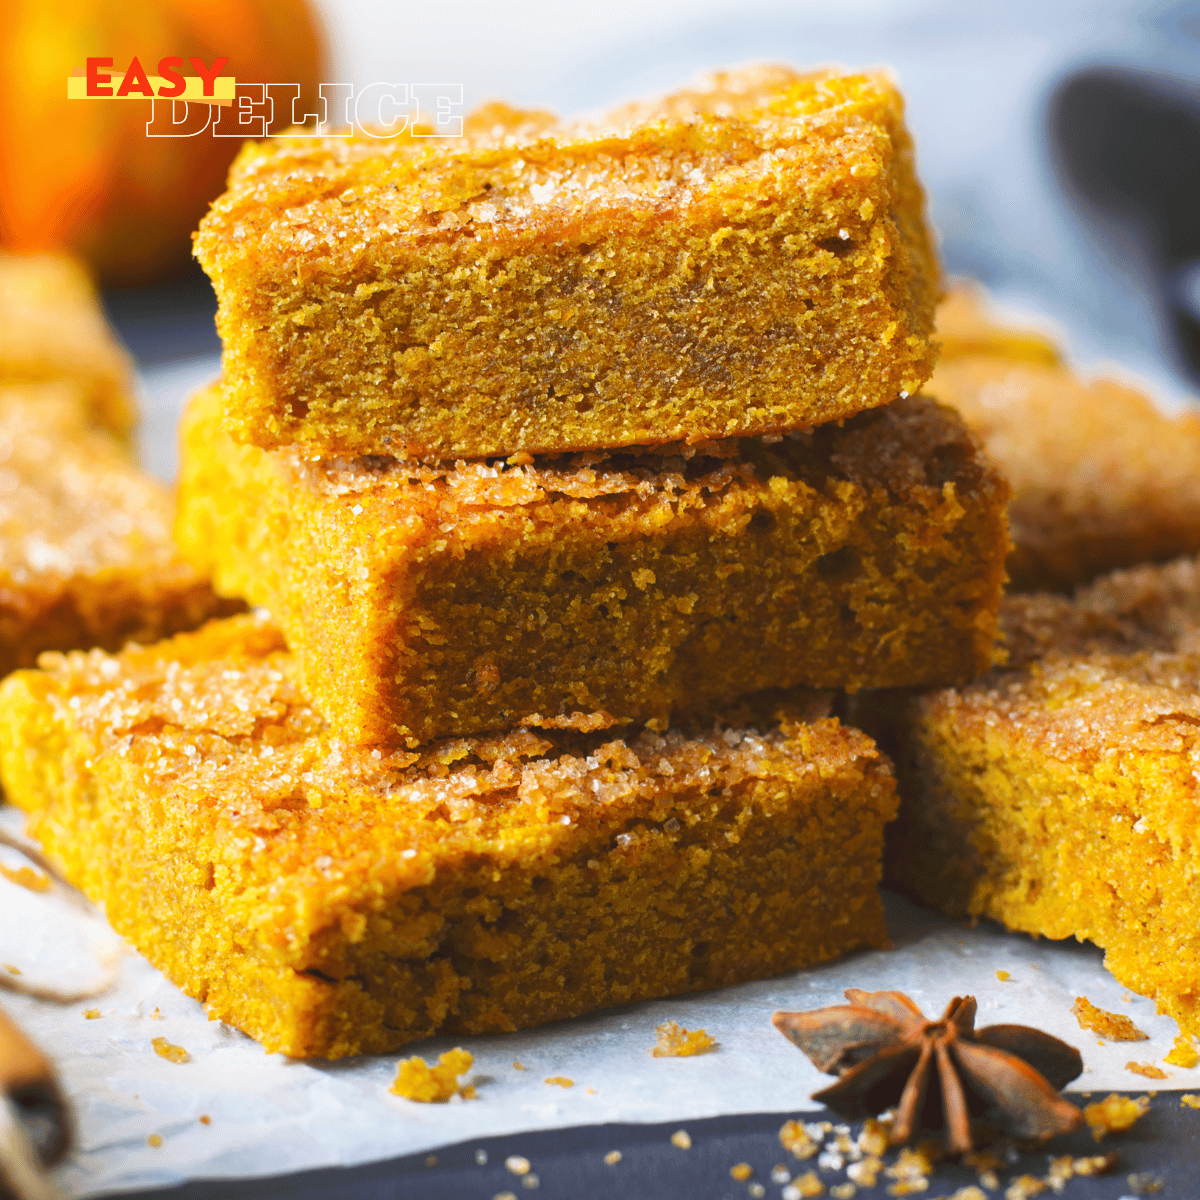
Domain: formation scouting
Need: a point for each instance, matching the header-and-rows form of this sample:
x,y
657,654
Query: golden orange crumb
x,y
1149,1070
26,877
591,1090
518,1164
1114,1113
1188,1100
741,1172
613,1157
156,1015
431,1085
1024,1186
431,1160
205,1119
518,1066
1115,1026
756,1191
676,1042
681,1139
560,1081
90,1014
1183,1053
807,1185
164,1049
842,1191
794,1137
11,969
865,1172
1003,975
505,1196
154,1140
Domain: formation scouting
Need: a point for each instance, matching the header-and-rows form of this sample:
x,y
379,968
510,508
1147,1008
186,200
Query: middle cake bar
x,y
423,601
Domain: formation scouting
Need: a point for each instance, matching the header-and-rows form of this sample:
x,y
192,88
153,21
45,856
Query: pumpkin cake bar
x,y
331,900
1101,478
744,258
1060,795
86,556
422,601
54,329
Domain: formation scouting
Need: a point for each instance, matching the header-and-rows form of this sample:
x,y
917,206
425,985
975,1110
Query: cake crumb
x,y
1114,1114
681,1139
90,1014
154,1140
842,1191
1144,1184
431,1160
560,1081
741,1172
1183,1053
172,1053
756,1191
1115,1026
518,1066
481,1157
518,1164
1003,976
804,1186
1149,1070
1023,1187
11,969
613,1157
156,1015
793,1136
676,1042
505,1196
1189,1100
431,1085
26,877
531,1181
205,1119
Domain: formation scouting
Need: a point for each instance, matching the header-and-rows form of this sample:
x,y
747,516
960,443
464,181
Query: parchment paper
x,y
268,1114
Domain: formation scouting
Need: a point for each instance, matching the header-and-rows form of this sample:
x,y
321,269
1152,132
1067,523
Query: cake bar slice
x,y
428,601
1101,478
53,328
330,900
743,258
86,556
1061,794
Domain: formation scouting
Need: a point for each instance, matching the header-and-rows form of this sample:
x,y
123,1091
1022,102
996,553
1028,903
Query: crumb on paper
x,y
1183,1053
794,1137
1114,1114
681,1139
1115,1026
1003,976
156,1015
26,877
560,1081
741,1172
205,1119
11,969
172,1053
591,1091
90,1014
676,1042
613,1157
154,1140
431,1085
1149,1070
518,1066
518,1164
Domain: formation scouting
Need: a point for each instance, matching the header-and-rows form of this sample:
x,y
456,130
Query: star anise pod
x,y
936,1074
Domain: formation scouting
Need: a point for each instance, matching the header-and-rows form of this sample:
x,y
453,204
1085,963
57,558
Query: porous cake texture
x,y
743,258
1101,478
423,601
86,556
1061,794
331,900
54,329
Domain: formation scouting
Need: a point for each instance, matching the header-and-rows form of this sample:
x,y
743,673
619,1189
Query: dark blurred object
x,y
1127,144
163,322
82,175
38,1125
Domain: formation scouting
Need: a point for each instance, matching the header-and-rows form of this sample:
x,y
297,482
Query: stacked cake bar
x,y
563,463
86,554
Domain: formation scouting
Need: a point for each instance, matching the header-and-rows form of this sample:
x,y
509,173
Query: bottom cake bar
x,y
1061,795
333,900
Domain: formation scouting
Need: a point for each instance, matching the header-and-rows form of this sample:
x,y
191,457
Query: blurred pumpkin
x,y
82,174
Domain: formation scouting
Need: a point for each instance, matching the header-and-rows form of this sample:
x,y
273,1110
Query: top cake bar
x,y
746,258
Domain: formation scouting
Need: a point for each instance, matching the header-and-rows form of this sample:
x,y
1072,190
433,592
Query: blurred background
x,y
1059,142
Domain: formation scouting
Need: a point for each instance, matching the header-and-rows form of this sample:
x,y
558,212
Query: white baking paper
x,y
268,1114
